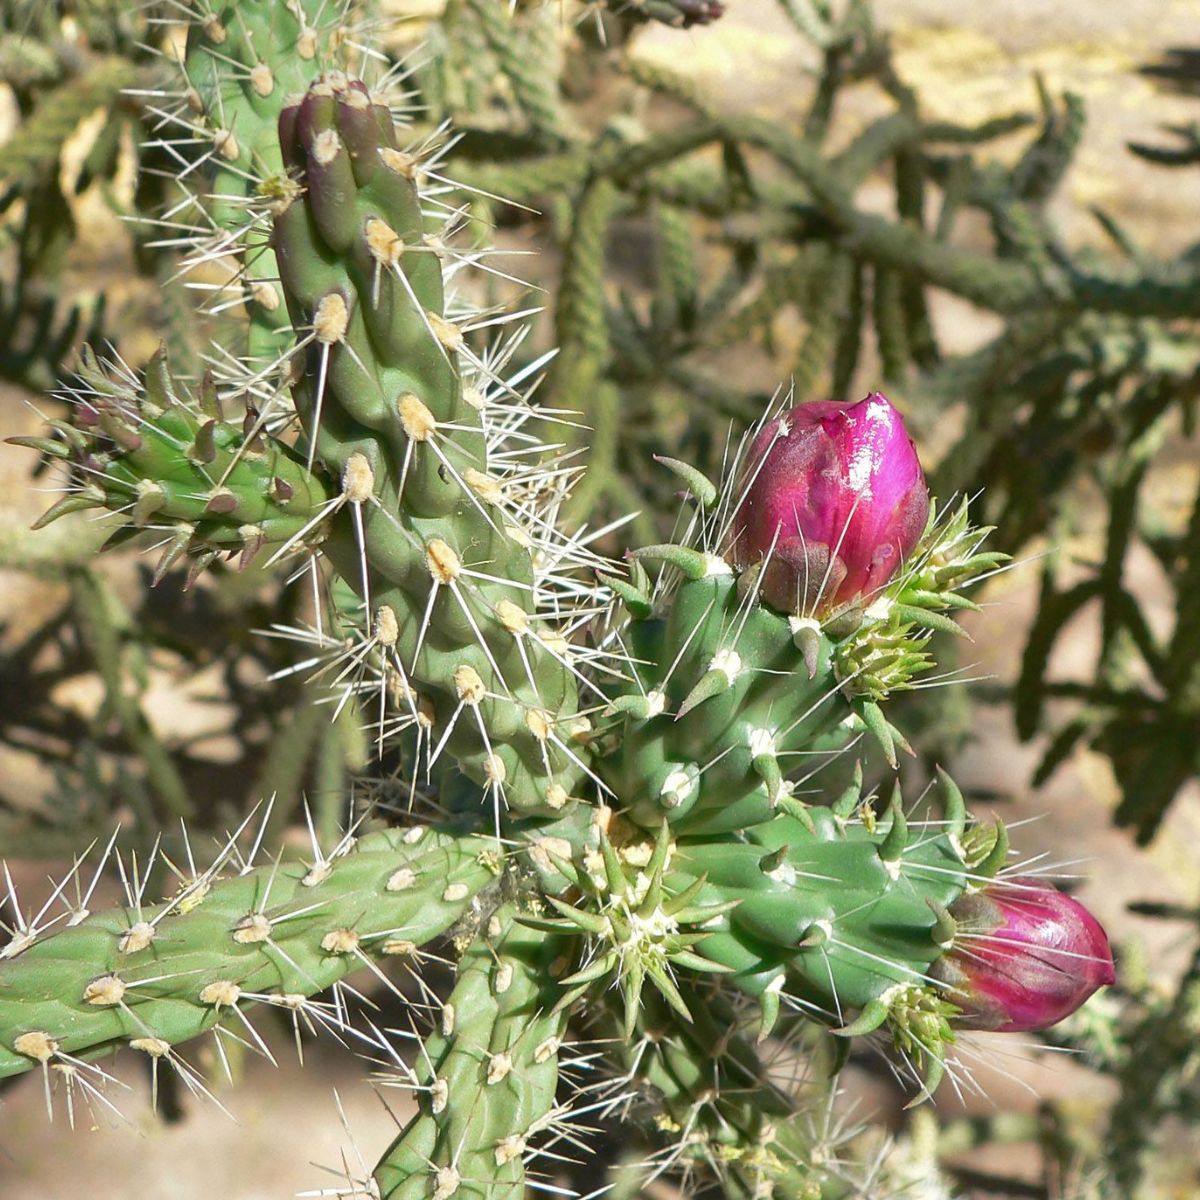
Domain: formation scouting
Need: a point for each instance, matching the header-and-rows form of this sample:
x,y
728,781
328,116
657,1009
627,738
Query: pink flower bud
x,y
834,502
1024,957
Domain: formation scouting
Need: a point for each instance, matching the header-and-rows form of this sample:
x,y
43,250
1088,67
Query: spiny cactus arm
x,y
680,14
244,59
486,1079
1004,286
612,157
32,153
713,1111
154,975
829,912
171,462
857,954
726,692
532,76
433,540
843,913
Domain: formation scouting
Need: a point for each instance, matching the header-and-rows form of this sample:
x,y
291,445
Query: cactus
x,y
243,61
621,843
148,976
175,464
678,13
489,1073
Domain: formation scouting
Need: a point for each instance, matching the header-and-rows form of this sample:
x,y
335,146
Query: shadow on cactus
x,y
621,824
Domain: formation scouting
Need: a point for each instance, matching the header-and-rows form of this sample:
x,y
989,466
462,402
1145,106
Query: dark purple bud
x,y
1024,957
700,12
835,502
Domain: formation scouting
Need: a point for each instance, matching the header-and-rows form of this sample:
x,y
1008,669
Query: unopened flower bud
x,y
835,501
1024,957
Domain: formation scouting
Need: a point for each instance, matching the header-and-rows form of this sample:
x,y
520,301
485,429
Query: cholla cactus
x,y
620,841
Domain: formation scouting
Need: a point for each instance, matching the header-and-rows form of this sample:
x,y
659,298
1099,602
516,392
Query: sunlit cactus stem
x,y
244,59
158,974
168,459
445,571
486,1082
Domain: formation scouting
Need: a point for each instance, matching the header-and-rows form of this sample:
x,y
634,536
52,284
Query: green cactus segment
x,y
830,911
174,465
488,1075
728,696
680,14
847,911
245,58
160,974
712,1105
446,572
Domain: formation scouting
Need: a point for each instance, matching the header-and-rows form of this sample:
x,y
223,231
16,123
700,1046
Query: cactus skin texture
x,y
739,689
488,1075
681,14
384,408
846,912
640,861
166,973
244,59
176,465
706,1078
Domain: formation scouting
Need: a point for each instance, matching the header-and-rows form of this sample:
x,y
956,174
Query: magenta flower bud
x,y
1024,957
835,501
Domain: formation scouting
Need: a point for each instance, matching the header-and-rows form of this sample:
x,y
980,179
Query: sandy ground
x,y
970,61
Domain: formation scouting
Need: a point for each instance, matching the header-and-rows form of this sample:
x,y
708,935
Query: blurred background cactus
x,y
696,245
